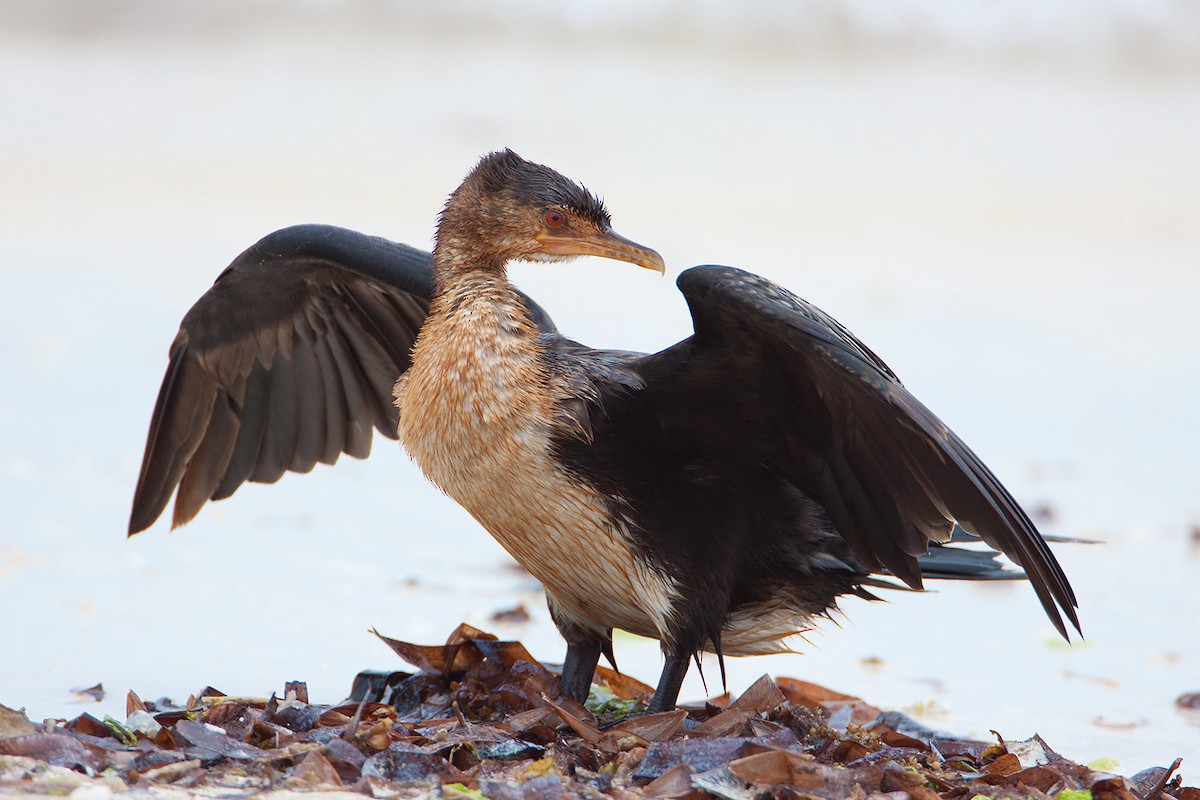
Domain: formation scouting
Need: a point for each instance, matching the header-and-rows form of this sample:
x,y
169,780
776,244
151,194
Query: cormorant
x,y
717,495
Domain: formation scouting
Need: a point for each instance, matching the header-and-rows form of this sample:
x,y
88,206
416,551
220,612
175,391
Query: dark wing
x,y
769,371
289,359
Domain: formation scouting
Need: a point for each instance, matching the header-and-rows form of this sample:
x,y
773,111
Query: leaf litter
x,y
480,718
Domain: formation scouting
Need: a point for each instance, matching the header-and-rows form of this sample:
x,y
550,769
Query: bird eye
x,y
555,219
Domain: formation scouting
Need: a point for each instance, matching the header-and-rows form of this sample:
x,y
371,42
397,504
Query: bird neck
x,y
474,290
452,269
477,373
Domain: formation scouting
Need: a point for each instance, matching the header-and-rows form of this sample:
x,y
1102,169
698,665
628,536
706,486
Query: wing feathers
x,y
358,415
289,359
280,426
253,413
210,461
890,475
169,443
310,400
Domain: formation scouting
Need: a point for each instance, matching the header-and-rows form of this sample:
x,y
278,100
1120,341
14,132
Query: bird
x,y
719,496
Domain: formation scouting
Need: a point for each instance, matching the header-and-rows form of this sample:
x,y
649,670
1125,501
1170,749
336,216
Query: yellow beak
x,y
605,244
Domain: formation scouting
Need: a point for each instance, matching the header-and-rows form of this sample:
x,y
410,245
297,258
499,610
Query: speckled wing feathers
x,y
581,378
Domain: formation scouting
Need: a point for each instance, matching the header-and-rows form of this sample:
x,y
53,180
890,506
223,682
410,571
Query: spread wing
x,y
766,370
289,359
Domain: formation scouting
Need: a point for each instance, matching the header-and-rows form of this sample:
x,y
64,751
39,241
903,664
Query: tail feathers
x,y
943,562
953,563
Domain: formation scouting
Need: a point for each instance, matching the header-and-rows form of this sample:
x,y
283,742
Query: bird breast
x,y
476,415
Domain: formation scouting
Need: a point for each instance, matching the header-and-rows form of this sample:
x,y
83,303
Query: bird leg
x,y
669,682
578,668
584,648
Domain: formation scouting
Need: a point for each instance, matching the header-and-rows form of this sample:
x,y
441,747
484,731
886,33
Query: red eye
x,y
555,219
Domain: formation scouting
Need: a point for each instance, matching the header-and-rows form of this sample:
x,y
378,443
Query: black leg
x,y
579,667
668,684
584,648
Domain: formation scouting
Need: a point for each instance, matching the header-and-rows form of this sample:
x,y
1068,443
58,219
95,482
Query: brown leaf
x,y
504,653
207,694
1189,700
846,750
1005,764
652,727
56,749
922,793
315,770
345,758
515,614
588,732
133,703
89,726
1113,788
764,728
296,690
813,696
14,723
623,686
523,721
897,778
454,656
235,718
776,767
730,722
808,694
341,715
522,686
268,736
674,784
894,739
960,749
295,716
376,737
1149,783
1041,778
92,693
762,697
165,739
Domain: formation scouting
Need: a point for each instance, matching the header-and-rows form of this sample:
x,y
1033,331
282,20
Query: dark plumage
x,y
716,495
289,359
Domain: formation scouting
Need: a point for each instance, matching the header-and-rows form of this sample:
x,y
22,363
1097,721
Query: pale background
x,y
1002,201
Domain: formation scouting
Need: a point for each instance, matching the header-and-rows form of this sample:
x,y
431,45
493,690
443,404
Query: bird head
x,y
508,208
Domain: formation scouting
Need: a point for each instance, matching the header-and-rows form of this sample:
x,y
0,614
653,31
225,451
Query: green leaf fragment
x,y
123,734
1104,764
601,701
458,790
1074,794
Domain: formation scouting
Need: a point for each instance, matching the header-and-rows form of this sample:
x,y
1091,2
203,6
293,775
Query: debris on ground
x,y
480,718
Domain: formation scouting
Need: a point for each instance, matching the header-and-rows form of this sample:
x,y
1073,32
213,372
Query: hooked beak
x,y
605,244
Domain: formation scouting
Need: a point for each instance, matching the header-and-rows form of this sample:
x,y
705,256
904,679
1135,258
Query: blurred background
x,y
1002,200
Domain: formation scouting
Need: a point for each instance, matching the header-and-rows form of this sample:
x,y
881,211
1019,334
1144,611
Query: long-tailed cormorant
x,y
717,495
